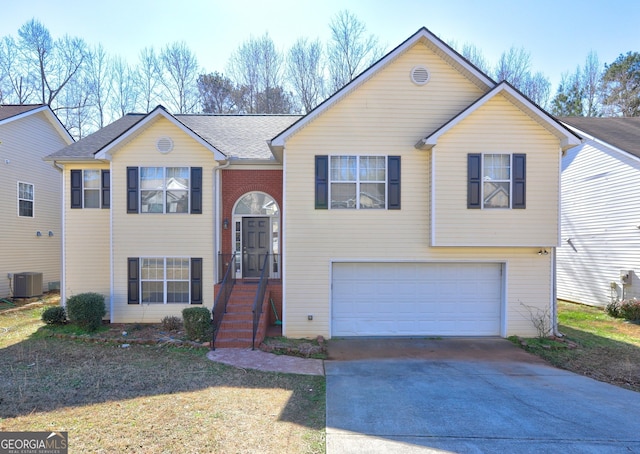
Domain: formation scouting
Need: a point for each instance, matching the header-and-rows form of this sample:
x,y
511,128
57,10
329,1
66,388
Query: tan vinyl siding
x,y
387,115
160,235
497,127
23,144
86,248
600,207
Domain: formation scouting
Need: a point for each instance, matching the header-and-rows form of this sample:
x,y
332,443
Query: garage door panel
x,y
406,299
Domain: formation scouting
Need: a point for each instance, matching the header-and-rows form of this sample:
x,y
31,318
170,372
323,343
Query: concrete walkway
x,y
468,396
269,362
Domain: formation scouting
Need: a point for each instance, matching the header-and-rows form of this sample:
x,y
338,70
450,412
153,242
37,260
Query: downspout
x,y
554,296
63,260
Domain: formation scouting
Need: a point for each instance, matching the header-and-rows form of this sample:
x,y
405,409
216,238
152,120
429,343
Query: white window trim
x,y
510,181
98,189
164,279
164,189
33,200
358,181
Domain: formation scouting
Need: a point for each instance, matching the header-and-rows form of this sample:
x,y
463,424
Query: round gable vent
x,y
420,75
164,144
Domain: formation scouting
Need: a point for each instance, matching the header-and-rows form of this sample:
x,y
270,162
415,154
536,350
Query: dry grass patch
x,y
150,398
608,349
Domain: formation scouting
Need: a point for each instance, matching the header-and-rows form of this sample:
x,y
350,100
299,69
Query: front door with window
x,y
255,245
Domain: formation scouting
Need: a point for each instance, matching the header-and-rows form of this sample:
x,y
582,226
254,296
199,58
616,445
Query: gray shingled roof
x,y
87,147
237,136
11,110
621,132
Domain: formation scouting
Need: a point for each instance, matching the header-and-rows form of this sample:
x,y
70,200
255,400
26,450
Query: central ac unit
x,y
27,285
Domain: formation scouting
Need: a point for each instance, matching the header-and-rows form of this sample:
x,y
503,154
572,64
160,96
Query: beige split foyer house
x,y
422,199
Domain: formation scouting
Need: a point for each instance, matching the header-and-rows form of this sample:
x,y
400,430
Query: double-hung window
x,y
496,180
358,182
25,200
164,189
164,280
90,188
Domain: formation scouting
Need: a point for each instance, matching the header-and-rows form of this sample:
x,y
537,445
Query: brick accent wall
x,y
236,183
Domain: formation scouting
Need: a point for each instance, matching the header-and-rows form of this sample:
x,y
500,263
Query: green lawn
x,y
150,398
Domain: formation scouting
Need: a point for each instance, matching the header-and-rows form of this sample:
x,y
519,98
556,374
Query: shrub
x,y
86,310
54,316
630,309
613,309
171,323
197,323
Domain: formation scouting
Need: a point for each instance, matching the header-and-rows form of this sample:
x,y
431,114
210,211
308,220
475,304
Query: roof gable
x,y
421,36
106,151
567,138
14,112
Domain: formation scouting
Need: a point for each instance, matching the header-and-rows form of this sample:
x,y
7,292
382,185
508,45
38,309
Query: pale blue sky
x,y
557,33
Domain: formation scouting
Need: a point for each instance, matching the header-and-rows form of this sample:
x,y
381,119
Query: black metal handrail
x,y
257,303
220,304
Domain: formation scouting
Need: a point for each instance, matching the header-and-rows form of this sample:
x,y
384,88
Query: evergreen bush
x,y
197,323
54,316
86,310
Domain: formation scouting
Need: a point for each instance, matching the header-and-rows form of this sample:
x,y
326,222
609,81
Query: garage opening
x,y
416,299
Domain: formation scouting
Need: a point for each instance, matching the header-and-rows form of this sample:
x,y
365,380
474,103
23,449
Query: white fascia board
x,y
278,142
105,153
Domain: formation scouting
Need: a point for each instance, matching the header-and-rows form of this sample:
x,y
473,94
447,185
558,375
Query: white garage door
x,y
409,299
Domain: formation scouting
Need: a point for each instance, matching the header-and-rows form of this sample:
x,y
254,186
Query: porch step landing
x,y
236,330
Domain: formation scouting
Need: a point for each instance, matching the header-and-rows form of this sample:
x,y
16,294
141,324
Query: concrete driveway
x,y
468,396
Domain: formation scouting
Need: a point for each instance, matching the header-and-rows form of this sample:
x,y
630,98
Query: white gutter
x,y
63,260
217,210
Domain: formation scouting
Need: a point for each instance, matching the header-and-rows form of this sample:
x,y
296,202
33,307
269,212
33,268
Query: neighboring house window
x,y
357,182
165,280
496,181
164,190
90,188
25,200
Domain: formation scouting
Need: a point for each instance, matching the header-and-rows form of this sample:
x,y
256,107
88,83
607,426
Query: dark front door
x,y
255,245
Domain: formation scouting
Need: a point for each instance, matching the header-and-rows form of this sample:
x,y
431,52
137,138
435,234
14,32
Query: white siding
x,y
600,221
23,144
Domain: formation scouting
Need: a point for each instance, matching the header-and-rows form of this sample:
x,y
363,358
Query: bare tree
x,y
56,62
305,72
179,73
591,74
125,94
513,66
98,76
350,50
475,56
17,84
147,78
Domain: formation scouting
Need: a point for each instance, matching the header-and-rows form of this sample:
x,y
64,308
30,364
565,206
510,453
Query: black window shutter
x,y
132,189
393,183
106,189
519,181
196,190
76,189
196,281
474,180
133,277
322,182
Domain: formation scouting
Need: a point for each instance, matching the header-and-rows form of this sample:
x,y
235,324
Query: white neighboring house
x,y
600,254
30,195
